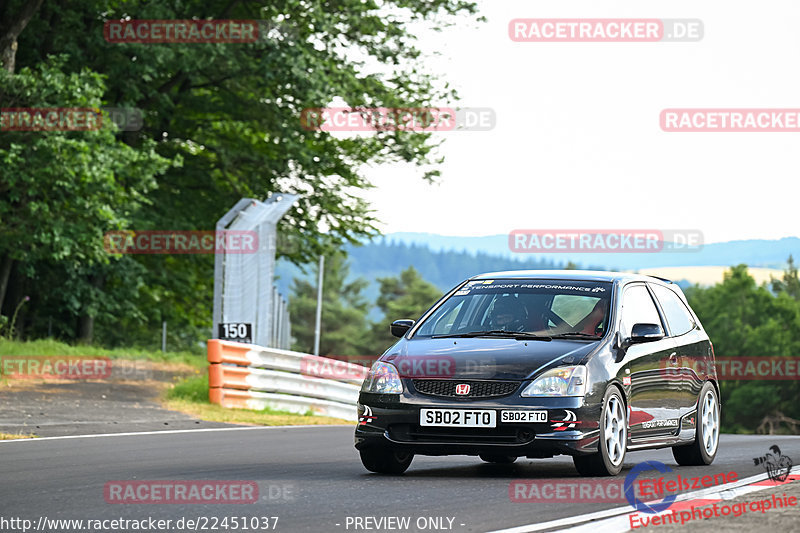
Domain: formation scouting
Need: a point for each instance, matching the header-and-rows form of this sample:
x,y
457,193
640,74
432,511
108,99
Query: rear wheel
x,y
498,459
613,439
706,439
383,461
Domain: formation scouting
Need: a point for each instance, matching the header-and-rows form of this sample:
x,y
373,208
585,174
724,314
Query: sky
x,y
578,145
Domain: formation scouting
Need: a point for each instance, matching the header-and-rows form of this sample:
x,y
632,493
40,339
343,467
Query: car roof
x,y
570,275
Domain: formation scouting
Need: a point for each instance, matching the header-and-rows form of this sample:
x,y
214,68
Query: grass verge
x,y
190,396
50,347
15,436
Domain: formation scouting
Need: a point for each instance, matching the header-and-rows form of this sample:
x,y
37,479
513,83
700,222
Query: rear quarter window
x,y
678,316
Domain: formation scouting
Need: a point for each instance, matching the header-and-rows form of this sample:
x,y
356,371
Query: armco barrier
x,y
253,377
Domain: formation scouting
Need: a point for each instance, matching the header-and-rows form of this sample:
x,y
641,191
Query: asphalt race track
x,y
309,477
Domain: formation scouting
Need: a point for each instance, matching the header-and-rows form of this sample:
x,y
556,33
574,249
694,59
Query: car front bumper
x,y
393,421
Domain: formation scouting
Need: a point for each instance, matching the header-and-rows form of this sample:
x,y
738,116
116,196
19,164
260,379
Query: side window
x,y
637,307
678,317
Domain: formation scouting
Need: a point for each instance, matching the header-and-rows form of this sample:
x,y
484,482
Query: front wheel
x,y
607,461
706,439
383,461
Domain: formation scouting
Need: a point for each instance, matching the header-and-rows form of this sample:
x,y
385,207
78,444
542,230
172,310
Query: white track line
x,y
167,432
724,492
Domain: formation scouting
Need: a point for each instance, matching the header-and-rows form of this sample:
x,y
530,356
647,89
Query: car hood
x,y
483,358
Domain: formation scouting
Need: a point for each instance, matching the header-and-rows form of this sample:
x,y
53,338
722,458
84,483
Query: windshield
x,y
543,307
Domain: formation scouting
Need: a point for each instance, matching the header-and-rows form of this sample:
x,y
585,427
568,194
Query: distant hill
x,y
442,268
754,253
445,261
709,275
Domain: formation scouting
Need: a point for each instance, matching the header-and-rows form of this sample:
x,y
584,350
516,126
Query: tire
x,y
497,459
385,461
706,438
610,457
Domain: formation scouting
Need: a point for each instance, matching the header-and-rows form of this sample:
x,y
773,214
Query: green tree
x,y
743,319
790,283
59,191
344,311
221,122
406,296
232,111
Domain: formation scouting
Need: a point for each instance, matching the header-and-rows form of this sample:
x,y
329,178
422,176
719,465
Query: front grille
x,y
500,435
446,388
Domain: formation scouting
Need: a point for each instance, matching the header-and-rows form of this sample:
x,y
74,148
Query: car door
x,y
690,344
655,402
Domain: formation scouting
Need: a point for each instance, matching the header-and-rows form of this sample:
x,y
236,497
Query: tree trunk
x,y
86,320
85,329
11,26
5,273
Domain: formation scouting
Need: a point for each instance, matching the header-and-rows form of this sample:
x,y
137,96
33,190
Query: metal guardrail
x,y
254,377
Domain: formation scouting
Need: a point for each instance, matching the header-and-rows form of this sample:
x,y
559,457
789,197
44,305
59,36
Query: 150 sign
x,y
236,331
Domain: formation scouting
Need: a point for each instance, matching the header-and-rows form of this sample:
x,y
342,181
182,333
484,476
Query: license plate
x,y
458,418
523,416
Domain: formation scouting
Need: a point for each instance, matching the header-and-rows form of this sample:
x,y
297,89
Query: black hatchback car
x,y
540,363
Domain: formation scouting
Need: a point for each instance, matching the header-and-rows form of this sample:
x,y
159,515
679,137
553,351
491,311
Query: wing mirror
x,y
400,327
641,332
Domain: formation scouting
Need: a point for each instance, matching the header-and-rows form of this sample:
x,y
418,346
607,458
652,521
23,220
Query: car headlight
x,y
382,378
562,381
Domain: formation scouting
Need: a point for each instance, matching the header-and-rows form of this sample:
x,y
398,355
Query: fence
x,y
254,377
243,283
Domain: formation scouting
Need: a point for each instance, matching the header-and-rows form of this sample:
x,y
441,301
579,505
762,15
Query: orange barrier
x,y
253,377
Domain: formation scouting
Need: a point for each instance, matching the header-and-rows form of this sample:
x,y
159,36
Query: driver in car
x,y
593,320
508,314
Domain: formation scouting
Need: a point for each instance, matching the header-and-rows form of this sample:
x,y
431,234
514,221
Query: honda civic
x,y
542,363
